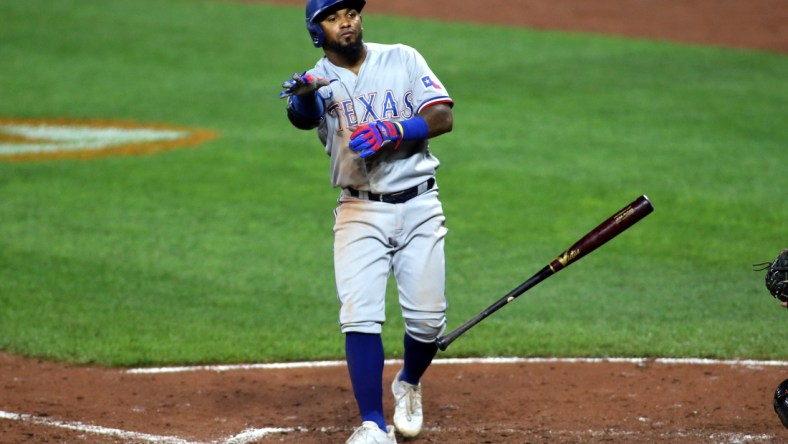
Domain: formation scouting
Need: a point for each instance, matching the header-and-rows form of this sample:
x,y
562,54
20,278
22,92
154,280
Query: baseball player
x,y
375,107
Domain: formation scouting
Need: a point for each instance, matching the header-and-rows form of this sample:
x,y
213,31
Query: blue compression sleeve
x,y
308,106
415,128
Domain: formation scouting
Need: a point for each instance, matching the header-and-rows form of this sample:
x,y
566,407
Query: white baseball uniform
x,y
373,238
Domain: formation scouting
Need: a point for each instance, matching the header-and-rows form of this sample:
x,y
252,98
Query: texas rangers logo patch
x,y
428,82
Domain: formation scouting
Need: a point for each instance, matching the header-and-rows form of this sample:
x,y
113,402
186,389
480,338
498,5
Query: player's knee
x,y
425,330
369,327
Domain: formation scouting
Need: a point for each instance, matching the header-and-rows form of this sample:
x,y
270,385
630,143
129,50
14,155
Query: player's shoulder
x,y
321,67
394,52
390,48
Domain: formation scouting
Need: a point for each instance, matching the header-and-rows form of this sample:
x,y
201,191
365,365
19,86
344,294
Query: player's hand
x,y
368,139
302,84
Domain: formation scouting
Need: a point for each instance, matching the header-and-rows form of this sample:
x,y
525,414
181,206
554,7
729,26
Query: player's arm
x,y
305,109
439,119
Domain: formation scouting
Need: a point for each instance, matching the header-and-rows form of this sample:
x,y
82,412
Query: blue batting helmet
x,y
317,9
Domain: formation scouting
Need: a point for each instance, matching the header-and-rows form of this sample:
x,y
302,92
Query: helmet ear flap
x,y
316,32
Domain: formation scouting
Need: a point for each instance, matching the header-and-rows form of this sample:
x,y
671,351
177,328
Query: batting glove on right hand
x,y
368,139
302,84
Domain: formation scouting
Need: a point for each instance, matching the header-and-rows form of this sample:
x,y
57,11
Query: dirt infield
x,y
531,402
539,402
757,24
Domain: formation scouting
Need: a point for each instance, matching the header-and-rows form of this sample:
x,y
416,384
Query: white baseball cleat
x,y
370,433
408,414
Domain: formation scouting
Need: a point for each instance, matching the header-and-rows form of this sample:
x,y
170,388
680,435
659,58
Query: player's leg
x,y
365,356
420,272
418,357
361,266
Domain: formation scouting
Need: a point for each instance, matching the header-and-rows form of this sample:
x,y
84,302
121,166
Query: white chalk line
x,y
245,436
251,435
451,361
92,429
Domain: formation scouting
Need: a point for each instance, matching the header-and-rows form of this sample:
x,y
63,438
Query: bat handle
x,y
443,342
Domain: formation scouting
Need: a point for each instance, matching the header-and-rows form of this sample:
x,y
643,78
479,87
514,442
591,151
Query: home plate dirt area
x,y
465,401
474,401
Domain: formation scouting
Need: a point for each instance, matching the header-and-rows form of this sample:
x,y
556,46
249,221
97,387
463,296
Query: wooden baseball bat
x,y
612,227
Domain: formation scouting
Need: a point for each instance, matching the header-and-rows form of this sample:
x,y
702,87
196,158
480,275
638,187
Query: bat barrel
x,y
607,230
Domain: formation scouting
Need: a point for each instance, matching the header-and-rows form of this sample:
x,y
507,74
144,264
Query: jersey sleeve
x,y
427,88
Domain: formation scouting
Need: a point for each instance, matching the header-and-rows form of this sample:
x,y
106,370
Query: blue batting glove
x,y
371,137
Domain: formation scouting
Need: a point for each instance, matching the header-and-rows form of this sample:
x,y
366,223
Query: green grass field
x,y
222,253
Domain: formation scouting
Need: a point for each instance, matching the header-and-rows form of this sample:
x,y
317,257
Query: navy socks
x,y
364,354
418,356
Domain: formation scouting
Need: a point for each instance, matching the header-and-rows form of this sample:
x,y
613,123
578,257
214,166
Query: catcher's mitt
x,y
777,276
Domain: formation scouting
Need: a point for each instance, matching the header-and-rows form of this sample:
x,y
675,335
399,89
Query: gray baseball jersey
x,y
394,83
372,239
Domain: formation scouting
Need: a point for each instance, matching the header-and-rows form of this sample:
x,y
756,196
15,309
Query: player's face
x,y
343,30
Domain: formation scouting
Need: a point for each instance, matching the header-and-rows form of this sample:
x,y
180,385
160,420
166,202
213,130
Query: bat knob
x,y
441,343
